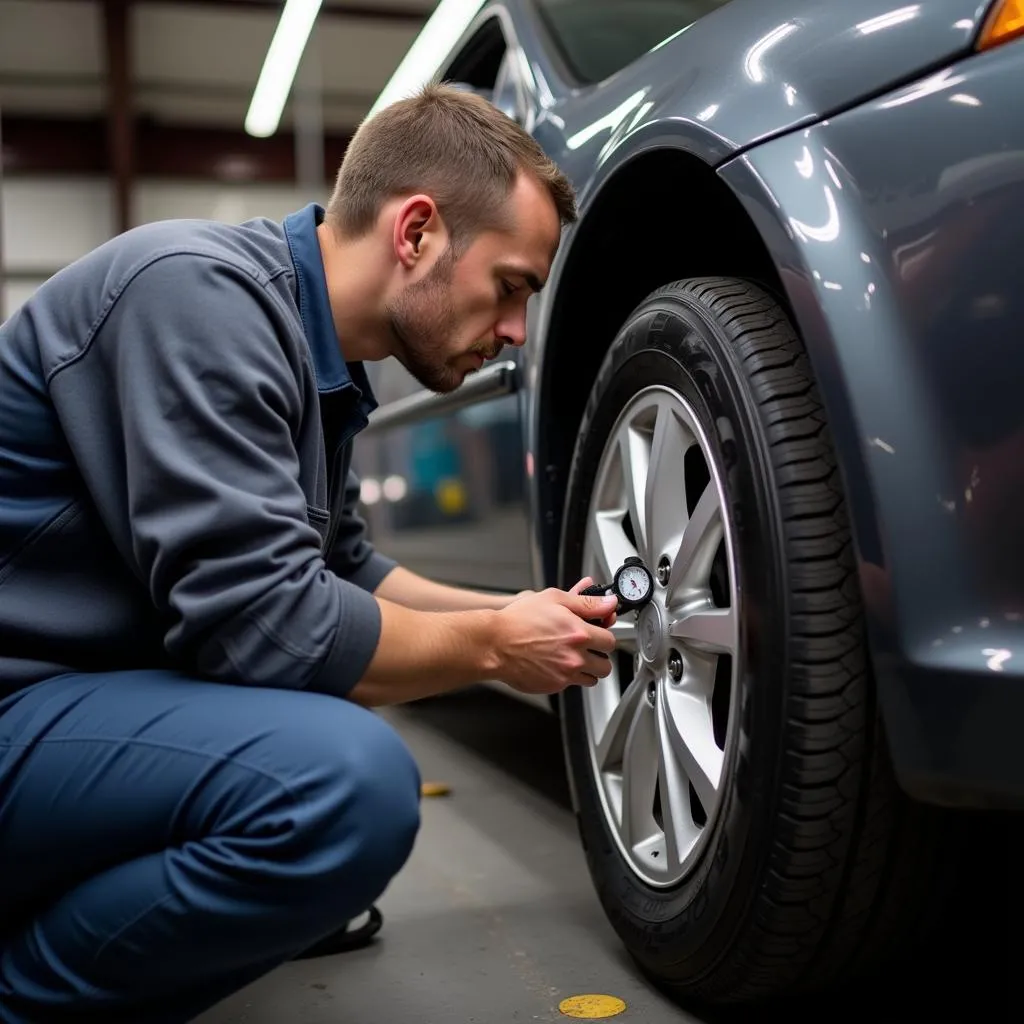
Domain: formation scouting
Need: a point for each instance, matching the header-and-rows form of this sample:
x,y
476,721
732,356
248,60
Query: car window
x,y
598,37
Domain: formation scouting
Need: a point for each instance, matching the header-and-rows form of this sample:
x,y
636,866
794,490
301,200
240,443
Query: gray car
x,y
778,359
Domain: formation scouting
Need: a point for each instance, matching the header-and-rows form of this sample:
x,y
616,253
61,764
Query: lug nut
x,y
675,665
663,571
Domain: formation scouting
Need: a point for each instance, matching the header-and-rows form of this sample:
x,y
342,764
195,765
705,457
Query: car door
x,y
443,476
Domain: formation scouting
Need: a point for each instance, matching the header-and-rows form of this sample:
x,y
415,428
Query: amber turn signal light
x,y
1004,22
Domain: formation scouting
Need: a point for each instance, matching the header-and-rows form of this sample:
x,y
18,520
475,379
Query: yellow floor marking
x,y
592,1007
435,789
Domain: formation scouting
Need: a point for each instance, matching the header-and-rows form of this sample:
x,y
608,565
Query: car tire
x,y
811,864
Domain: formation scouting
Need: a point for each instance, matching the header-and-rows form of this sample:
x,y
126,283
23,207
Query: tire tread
x,y
827,905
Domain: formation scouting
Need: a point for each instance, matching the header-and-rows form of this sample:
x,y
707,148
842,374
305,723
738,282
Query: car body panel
x,y
749,70
902,264
883,250
715,109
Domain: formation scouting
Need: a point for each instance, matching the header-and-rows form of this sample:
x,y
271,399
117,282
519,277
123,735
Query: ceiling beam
x,y
335,9
120,123
75,147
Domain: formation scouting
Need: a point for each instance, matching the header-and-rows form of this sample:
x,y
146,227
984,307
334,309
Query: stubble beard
x,y
422,320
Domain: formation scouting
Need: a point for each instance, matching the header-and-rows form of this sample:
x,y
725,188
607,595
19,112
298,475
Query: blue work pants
x,y
165,841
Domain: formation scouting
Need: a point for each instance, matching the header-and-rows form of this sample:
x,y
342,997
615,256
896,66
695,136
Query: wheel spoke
x,y
611,746
635,458
624,631
710,630
608,543
665,493
692,738
600,701
640,776
702,534
613,546
681,832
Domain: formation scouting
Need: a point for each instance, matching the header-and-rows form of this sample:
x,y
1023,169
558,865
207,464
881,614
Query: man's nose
x,y
512,330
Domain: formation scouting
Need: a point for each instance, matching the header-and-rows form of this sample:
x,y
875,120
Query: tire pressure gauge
x,y
632,585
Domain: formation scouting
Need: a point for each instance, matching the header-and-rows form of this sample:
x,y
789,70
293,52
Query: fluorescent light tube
x,y
280,65
441,32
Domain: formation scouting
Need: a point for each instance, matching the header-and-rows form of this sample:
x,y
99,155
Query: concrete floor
x,y
494,920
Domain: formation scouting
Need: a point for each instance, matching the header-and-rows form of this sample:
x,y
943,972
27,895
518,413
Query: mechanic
x,y
194,626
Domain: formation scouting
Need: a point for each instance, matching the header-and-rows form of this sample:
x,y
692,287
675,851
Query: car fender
x,y
899,264
745,72
832,263
744,81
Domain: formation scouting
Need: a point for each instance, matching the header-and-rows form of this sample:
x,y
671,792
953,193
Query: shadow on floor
x,y
965,978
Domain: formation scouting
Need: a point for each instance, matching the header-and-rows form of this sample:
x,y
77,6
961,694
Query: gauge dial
x,y
634,583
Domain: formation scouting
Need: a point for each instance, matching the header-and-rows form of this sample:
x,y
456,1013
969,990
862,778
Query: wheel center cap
x,y
651,632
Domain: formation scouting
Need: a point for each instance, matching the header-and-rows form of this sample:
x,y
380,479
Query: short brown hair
x,y
452,145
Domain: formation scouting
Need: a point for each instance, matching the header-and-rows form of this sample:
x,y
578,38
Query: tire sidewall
x,y
673,340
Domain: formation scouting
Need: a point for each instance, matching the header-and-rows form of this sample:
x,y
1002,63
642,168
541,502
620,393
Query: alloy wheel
x,y
659,724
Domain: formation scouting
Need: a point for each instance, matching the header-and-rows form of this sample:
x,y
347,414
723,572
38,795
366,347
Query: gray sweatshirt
x,y
176,421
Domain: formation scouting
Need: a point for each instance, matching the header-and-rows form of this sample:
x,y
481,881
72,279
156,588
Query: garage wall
x,y
47,223
182,73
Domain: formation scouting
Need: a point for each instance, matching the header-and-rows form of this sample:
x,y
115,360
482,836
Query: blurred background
x,y
114,113
118,112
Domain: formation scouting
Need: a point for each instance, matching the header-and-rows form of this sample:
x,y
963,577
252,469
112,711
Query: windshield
x,y
598,37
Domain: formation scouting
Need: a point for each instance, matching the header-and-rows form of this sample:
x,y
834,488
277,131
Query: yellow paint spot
x,y
592,1007
435,789
451,496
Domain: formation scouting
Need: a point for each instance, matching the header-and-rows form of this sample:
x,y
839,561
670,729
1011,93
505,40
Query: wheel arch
x,y
664,214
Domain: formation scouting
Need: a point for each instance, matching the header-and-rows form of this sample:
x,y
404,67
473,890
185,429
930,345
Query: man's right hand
x,y
544,642
538,643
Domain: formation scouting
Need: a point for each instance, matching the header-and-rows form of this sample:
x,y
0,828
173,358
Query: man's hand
x,y
538,643
544,642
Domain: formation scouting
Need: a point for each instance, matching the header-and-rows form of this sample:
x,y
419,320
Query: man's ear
x,y
418,231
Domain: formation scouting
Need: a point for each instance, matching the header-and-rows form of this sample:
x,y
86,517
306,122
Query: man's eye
x,y
507,287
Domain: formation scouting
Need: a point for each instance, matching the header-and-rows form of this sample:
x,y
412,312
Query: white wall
x,y
49,222
156,200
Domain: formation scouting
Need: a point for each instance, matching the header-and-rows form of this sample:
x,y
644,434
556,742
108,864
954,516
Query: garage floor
x,y
494,920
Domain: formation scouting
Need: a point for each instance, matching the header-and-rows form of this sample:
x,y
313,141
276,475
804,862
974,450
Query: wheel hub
x,y
651,633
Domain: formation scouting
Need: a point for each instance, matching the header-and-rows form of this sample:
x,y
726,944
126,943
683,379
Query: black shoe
x,y
344,940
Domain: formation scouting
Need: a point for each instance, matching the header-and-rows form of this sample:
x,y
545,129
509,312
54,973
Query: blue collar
x,y
333,374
